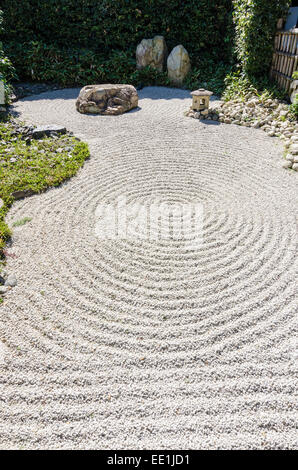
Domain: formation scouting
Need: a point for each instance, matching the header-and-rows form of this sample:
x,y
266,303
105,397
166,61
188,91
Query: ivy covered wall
x,y
255,25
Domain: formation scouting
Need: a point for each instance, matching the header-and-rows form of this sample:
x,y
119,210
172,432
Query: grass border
x,y
80,152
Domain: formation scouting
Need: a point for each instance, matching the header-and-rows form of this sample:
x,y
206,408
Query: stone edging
x,y
270,115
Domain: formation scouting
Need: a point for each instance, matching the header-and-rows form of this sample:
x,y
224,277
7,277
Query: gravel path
x,y
125,344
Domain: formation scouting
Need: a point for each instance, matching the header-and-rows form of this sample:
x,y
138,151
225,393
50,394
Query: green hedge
x,y
74,42
102,26
255,24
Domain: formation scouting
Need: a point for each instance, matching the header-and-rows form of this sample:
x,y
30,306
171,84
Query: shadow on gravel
x,y
210,123
150,92
63,94
163,93
153,93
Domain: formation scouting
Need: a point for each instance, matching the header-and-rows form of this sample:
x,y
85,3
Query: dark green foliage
x,y
238,85
208,74
255,23
106,25
40,62
74,42
77,67
7,71
294,107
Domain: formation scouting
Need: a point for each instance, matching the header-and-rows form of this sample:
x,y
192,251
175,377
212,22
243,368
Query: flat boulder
x,y
178,65
152,53
47,131
107,99
22,194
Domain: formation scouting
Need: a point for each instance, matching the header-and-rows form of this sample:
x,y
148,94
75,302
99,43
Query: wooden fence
x,y
285,57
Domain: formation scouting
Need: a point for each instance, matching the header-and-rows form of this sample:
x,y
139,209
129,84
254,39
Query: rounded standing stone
x,y
178,64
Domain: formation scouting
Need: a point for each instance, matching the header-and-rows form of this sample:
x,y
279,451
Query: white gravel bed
x,y
147,344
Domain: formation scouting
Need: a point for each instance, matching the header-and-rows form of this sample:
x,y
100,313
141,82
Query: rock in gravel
x,y
43,131
4,289
107,99
295,166
294,149
21,194
287,164
11,281
152,52
178,64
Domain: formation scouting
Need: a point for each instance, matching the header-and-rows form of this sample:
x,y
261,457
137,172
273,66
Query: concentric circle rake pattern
x,y
154,341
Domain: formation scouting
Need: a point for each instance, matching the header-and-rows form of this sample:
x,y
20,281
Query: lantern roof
x,y
201,92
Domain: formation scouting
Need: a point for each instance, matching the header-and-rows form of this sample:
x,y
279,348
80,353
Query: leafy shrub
x,y
239,85
148,76
294,107
208,74
70,67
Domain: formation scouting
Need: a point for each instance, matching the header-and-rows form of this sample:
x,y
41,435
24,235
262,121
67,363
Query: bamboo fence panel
x,y
285,57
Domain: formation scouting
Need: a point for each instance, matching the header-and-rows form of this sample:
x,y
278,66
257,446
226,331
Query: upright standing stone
x,y
178,65
2,93
152,52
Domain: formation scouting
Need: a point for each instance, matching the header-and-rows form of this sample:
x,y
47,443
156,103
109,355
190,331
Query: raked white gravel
x,y
130,345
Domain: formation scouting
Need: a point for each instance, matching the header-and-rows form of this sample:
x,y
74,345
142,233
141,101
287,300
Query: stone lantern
x,y
200,100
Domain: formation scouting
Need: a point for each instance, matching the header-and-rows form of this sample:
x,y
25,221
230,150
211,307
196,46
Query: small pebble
x,y
287,164
11,281
4,289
